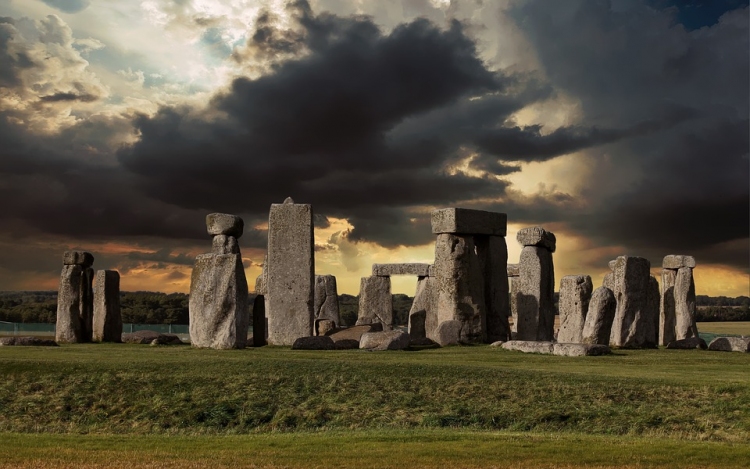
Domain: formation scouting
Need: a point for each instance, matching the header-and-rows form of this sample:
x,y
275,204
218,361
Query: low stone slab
x,y
580,350
497,343
82,258
386,340
687,344
536,236
448,333
354,332
529,346
674,261
224,224
386,270
320,342
730,344
148,337
468,221
346,344
513,270
26,341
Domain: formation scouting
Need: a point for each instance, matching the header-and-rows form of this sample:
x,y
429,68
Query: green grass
x,y
735,327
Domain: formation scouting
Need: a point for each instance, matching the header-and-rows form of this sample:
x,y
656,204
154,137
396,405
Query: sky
x,y
622,126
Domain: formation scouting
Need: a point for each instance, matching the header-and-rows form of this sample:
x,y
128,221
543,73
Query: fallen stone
x,y
224,224
68,326
354,333
448,333
536,236
27,341
223,244
497,343
326,300
324,326
423,312
346,344
730,344
529,346
513,270
580,350
599,318
464,221
82,258
493,260
147,337
685,344
375,302
320,342
386,270
673,261
386,340
684,304
575,295
633,320
534,295
667,317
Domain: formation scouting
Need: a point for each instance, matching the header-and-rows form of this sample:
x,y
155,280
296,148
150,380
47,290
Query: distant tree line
x,y
162,308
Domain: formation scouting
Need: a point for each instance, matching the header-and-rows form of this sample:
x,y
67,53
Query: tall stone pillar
x,y
75,298
575,295
599,318
375,302
291,272
423,312
326,300
513,274
684,302
493,255
107,316
633,318
535,299
666,307
218,305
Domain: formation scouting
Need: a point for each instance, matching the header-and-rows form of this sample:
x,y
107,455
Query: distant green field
x,y
166,406
737,327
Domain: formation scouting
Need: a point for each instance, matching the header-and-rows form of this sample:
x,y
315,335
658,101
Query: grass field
x,y
735,327
141,406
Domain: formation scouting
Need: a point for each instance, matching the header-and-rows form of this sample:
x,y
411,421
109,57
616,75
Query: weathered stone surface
x,y
321,342
730,344
375,302
513,285
291,277
324,326
224,224
326,300
346,344
107,316
575,295
148,337
354,333
673,261
599,318
459,281
68,325
686,344
609,281
529,346
493,258
386,270
633,320
82,258
464,221
423,312
537,236
386,340
223,244
260,324
27,341
580,350
612,264
218,304
448,333
684,304
653,300
513,270
535,304
667,318
86,306
497,343
261,282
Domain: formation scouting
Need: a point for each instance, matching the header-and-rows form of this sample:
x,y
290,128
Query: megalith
x,y
326,300
677,305
575,295
423,312
375,302
667,319
513,274
535,302
291,272
75,298
684,304
633,324
599,318
218,304
107,322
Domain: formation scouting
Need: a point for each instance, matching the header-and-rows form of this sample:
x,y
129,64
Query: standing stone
x,y
513,274
86,313
423,312
632,320
535,303
459,281
326,300
609,281
68,326
667,318
599,318
291,272
107,316
654,297
684,300
575,295
375,302
493,255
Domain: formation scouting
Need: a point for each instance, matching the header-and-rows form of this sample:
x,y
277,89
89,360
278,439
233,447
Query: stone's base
x,y
313,343
448,333
580,350
730,344
686,344
26,341
387,340
149,337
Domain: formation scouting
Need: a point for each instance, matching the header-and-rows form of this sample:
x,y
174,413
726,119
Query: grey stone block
x,y
534,297
324,326
386,340
107,316
218,304
493,257
667,317
313,343
224,224
423,312
674,261
354,333
529,346
448,333
326,300
686,344
633,320
575,295
513,270
599,318
730,344
223,244
580,350
537,236
464,221
375,302
609,281
82,258
86,306
386,270
652,311
68,326
684,304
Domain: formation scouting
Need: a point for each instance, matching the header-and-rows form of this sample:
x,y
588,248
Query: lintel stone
x,y
224,224
673,261
469,222
537,236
